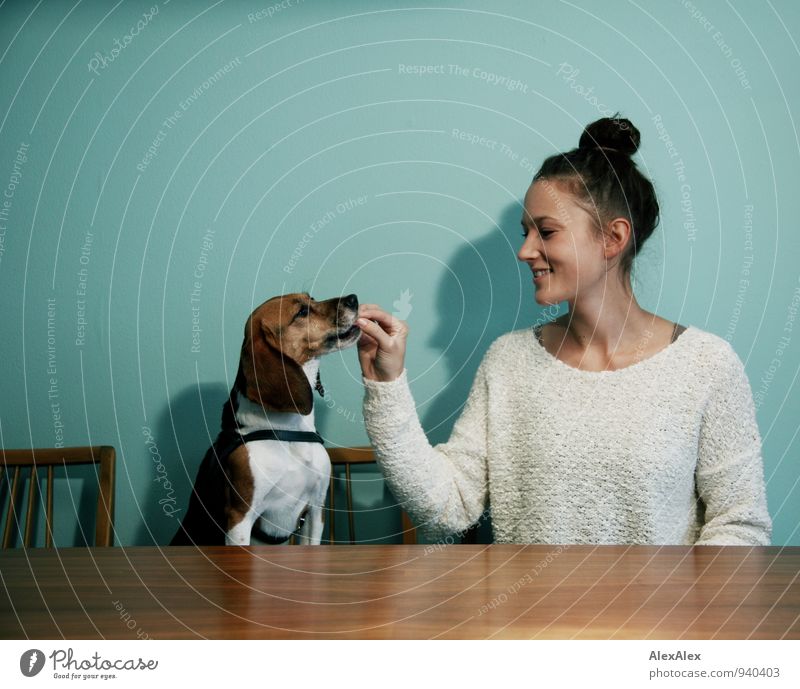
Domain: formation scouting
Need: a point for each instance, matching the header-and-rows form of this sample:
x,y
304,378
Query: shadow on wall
x,y
182,433
492,294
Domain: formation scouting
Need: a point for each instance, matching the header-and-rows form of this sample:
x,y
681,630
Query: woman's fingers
x,y
374,331
382,354
388,323
366,341
373,312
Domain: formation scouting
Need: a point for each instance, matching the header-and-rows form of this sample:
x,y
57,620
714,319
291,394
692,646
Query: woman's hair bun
x,y
611,132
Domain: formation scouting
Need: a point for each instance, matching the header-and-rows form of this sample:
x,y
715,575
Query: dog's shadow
x,y
181,434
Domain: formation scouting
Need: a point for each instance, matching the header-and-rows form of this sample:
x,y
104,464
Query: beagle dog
x,y
267,473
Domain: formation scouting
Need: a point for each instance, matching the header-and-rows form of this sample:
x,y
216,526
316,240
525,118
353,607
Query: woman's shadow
x,y
488,293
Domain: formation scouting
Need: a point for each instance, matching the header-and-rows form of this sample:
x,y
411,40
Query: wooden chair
x,y
347,457
20,460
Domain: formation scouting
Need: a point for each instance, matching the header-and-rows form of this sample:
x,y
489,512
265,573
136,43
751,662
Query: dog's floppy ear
x,y
272,379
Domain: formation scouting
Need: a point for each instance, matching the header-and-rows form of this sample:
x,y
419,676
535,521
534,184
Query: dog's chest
x,y
288,471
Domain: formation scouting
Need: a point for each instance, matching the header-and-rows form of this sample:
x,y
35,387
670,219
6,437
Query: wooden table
x,y
397,591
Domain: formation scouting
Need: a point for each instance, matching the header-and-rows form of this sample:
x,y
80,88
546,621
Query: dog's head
x,y
283,334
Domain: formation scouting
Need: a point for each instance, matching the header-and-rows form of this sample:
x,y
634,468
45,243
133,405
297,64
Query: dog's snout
x,y
349,302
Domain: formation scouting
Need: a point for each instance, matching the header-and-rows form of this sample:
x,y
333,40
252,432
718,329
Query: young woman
x,y
607,425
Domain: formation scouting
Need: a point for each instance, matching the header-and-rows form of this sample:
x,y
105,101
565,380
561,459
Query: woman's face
x,y
560,237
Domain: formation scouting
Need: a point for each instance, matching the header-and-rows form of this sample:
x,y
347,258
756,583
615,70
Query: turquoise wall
x,y
167,166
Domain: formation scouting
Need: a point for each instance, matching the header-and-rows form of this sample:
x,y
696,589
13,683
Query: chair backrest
x,y
33,459
347,457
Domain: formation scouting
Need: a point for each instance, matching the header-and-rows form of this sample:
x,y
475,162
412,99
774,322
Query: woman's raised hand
x,y
382,345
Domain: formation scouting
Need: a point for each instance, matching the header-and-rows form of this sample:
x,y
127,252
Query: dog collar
x,y
279,434
228,441
318,387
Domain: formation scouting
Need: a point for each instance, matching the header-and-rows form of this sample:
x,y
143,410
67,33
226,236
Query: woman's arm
x,y
730,472
443,488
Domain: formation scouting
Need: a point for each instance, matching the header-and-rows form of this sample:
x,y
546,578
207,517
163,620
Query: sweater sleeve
x,y
730,473
443,488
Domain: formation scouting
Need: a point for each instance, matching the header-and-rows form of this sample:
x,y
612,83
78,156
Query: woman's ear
x,y
617,236
272,379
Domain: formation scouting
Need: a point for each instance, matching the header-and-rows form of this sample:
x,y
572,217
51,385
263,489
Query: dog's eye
x,y
302,313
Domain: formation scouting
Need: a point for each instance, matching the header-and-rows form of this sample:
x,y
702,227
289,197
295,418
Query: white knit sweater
x,y
564,455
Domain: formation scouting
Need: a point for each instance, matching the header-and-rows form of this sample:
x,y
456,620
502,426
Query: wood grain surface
x,y
400,591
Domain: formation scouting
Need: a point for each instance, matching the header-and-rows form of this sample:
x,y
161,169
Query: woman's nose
x,y
530,248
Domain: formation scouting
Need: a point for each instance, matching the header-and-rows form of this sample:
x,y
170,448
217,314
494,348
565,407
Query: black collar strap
x,y
227,442
279,434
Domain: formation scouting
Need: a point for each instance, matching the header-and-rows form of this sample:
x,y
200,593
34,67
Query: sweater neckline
x,y
661,353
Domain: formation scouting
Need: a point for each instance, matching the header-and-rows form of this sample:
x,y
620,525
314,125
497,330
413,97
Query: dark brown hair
x,y
605,181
